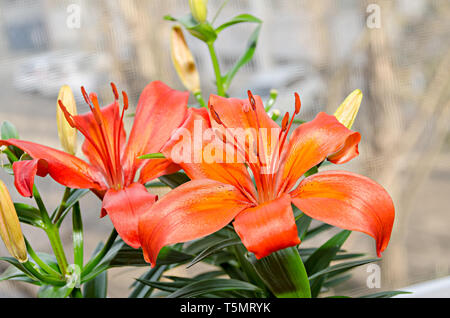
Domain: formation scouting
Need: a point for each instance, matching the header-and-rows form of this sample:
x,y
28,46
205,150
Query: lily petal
x,y
313,142
194,157
194,209
24,173
267,228
124,208
155,168
111,124
231,112
64,168
159,112
350,201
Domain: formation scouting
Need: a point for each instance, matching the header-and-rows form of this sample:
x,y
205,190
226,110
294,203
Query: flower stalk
x,y
283,273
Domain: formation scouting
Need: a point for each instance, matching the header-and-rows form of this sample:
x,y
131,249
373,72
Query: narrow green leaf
x,y
283,273
142,290
317,230
336,281
48,291
242,18
245,58
342,266
322,257
29,215
386,294
174,180
214,249
97,287
212,285
156,155
77,235
169,255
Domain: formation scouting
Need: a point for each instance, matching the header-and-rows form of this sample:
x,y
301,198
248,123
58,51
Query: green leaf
x,y
242,18
165,286
77,235
342,267
386,294
156,155
283,273
317,230
215,248
74,197
13,273
311,171
174,180
48,291
303,222
203,31
8,131
29,215
97,287
142,290
322,258
336,281
212,285
169,255
244,59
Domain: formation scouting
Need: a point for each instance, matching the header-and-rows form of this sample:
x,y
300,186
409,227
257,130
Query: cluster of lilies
x,y
254,193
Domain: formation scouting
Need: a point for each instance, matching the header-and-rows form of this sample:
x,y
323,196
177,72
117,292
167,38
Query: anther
x,y
285,122
125,100
114,89
298,104
85,95
214,115
251,99
66,114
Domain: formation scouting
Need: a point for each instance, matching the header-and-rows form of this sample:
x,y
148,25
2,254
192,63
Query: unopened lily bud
x,y
67,134
346,113
199,10
10,230
184,61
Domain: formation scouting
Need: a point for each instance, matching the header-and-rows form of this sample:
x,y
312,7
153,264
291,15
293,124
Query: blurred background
x,y
397,52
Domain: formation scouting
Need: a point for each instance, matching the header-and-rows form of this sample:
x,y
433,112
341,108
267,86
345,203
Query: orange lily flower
x,y
111,170
262,212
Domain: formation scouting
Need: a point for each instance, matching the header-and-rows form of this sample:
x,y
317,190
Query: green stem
x,y
199,97
62,205
40,262
42,278
52,232
76,293
215,62
283,273
96,260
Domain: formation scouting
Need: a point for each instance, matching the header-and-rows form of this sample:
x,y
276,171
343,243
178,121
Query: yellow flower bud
x,y
199,10
67,134
346,113
10,230
184,61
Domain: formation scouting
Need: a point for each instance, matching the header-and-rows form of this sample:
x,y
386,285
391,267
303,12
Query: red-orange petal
x,y
350,201
238,113
194,209
313,142
24,173
190,150
159,112
268,227
125,207
111,124
155,168
64,168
